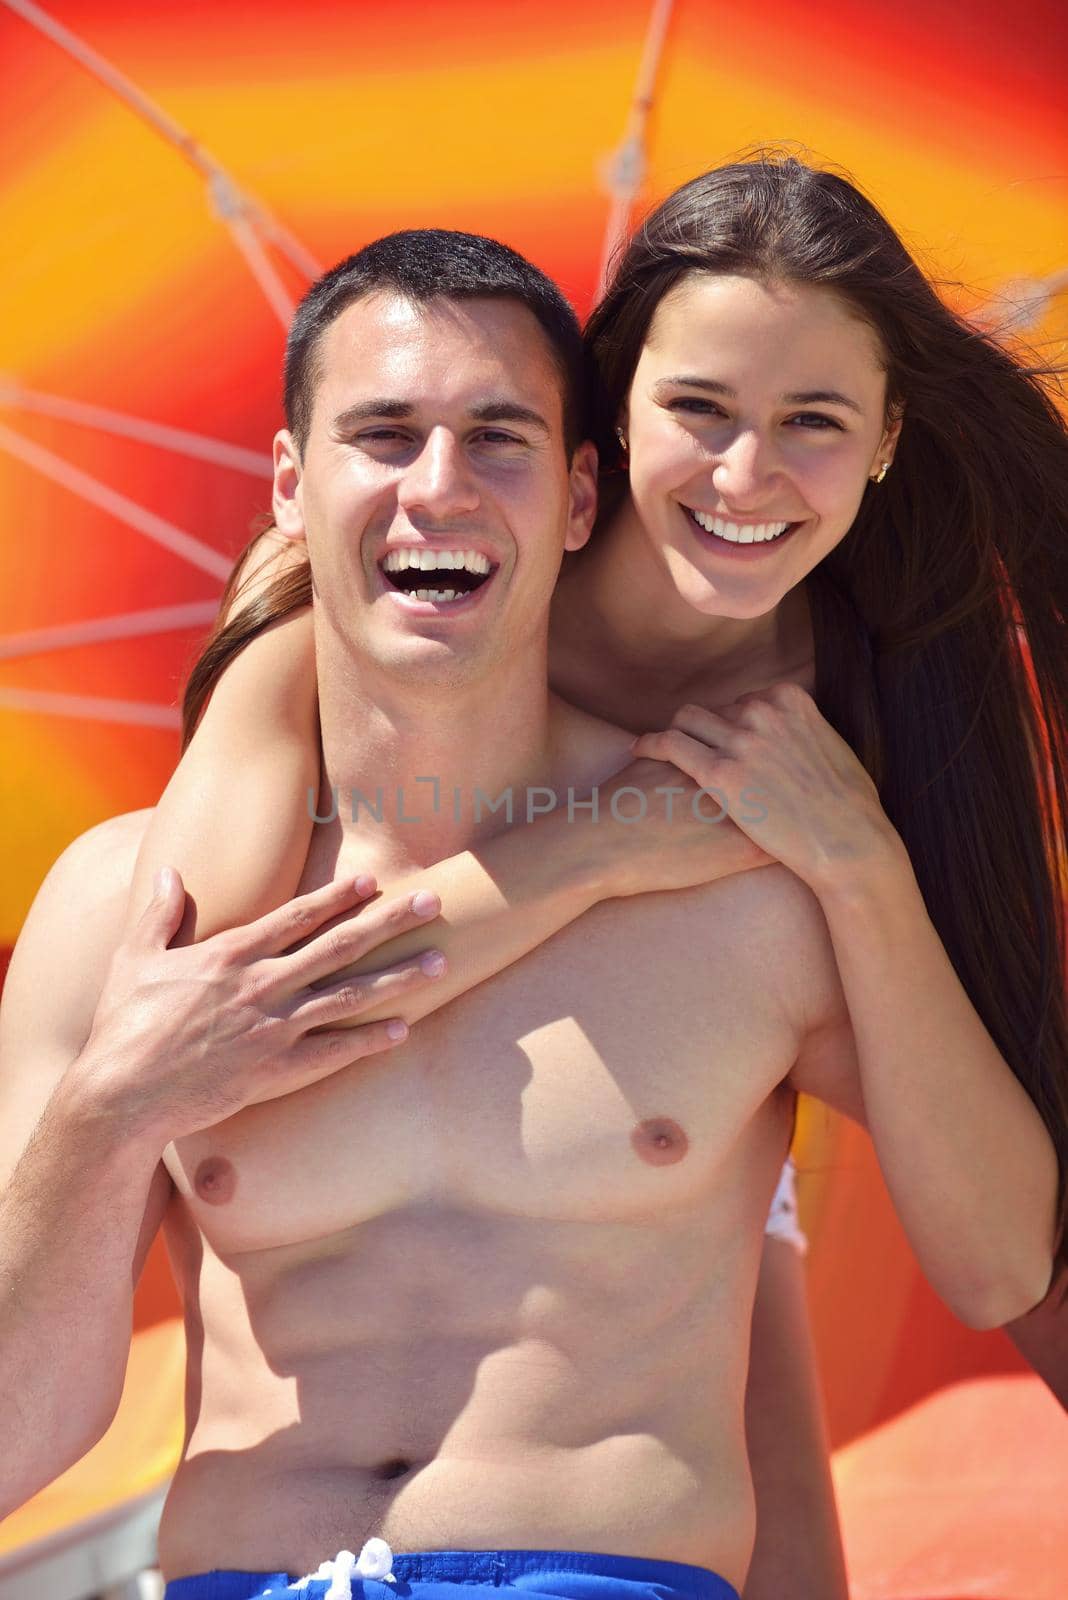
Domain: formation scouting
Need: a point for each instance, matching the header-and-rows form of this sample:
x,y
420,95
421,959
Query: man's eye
x,y
379,435
495,436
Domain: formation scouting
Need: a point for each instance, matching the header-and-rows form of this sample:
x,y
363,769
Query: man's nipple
x,y
660,1141
215,1180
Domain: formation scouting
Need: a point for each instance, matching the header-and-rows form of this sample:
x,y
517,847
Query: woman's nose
x,y
745,467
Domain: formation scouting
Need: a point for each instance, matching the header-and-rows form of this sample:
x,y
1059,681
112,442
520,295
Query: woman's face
x,y
755,407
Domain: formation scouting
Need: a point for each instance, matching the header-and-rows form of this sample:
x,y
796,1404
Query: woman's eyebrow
x,y
684,381
828,397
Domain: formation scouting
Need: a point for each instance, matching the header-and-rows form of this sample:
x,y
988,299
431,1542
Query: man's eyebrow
x,y
509,411
827,397
400,410
364,409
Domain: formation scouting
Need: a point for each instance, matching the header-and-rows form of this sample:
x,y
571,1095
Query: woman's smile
x,y
748,541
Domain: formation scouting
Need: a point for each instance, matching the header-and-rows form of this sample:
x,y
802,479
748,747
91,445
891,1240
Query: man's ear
x,y
286,496
582,496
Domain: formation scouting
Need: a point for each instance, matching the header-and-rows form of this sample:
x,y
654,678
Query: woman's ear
x,y
286,499
582,496
889,441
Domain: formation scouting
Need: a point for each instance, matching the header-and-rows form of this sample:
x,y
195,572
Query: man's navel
x,y
215,1180
660,1141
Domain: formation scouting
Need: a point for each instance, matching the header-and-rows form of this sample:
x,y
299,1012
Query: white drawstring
x,y
374,1561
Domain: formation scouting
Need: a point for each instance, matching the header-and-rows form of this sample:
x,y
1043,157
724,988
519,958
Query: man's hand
x,y
183,1038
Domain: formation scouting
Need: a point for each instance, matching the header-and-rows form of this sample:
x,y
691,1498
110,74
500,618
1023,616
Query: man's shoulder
x,y
107,846
87,887
763,912
774,924
773,893
589,750
57,970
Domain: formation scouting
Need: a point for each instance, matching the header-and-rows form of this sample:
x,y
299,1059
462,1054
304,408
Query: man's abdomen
x,y
452,1380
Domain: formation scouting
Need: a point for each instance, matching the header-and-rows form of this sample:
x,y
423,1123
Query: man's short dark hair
x,y
425,264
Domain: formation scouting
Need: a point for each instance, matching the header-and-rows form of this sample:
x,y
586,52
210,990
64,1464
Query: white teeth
x,y
437,594
423,560
746,533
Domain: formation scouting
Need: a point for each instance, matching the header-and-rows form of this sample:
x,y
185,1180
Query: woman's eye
x,y
696,407
816,420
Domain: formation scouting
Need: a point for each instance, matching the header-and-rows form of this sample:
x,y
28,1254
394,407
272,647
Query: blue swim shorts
x,y
451,1575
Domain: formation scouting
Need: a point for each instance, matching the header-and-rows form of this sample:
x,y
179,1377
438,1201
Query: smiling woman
x,y
826,385
744,472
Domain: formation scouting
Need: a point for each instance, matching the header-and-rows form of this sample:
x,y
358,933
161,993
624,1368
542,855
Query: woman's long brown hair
x,y
940,619
238,623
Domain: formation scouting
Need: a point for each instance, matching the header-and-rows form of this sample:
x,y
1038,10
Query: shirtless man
x,y
491,1290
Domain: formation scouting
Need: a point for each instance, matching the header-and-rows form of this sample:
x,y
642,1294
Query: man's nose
x,y
439,481
746,466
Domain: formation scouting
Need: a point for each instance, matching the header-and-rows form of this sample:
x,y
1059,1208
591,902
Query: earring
x,y
621,436
884,468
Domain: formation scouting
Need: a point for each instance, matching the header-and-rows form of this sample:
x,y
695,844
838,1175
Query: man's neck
x,y
415,767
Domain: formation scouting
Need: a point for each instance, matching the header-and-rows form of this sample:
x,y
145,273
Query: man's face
x,y
436,437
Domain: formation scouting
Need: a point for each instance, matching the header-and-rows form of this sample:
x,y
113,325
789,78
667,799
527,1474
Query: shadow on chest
x,y
605,1075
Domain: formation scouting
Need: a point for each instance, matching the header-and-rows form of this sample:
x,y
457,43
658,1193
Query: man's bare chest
x,y
605,1077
